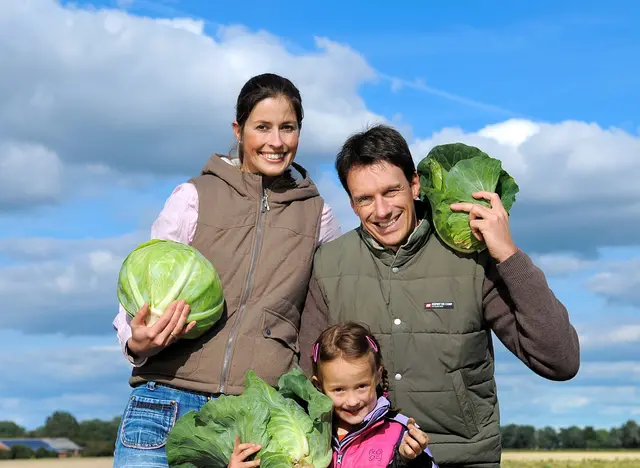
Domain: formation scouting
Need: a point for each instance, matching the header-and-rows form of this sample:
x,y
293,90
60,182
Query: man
x,y
432,309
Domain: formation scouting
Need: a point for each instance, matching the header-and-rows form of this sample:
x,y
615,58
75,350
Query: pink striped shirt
x,y
177,221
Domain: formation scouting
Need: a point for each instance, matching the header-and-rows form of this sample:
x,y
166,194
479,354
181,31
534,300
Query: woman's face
x,y
269,137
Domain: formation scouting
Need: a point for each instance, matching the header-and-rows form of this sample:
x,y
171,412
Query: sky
x,y
106,106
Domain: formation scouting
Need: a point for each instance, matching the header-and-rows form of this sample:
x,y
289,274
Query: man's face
x,y
383,199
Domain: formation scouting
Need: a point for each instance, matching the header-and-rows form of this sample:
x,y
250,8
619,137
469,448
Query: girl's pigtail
x,y
385,382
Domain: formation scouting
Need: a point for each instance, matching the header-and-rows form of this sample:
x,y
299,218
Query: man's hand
x,y
148,341
414,442
490,225
241,452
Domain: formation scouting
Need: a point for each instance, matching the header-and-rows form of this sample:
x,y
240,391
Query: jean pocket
x,y
147,422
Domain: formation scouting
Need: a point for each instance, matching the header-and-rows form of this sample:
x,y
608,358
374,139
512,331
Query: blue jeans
x,y
150,414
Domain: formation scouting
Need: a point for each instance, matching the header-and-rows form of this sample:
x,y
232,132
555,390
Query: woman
x,y
258,219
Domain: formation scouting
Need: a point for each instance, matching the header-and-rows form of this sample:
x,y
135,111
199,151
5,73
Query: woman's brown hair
x,y
349,340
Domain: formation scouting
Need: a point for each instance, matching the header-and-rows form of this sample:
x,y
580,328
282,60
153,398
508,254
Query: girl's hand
x,y
241,452
414,442
148,341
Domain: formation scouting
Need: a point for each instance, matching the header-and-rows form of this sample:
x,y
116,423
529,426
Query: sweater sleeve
x,y
177,221
329,226
314,319
528,319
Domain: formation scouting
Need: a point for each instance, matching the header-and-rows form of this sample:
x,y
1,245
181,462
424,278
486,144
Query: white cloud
x,y
555,163
624,334
109,90
29,173
605,388
89,381
603,393
561,264
578,187
619,281
63,285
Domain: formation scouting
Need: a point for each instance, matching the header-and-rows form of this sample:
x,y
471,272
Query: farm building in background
x,y
62,446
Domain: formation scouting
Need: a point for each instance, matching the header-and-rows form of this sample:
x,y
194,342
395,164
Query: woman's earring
x,y
238,148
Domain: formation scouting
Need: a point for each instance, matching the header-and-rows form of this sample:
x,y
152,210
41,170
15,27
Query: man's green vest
x,y
424,305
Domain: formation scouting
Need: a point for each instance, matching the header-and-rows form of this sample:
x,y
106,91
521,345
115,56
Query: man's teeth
x,y
388,223
273,156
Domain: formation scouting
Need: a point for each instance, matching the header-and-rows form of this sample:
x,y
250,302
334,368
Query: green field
x,y
571,459
572,464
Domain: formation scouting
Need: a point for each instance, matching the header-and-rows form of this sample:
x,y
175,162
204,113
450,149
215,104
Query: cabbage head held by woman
x,y
160,272
292,423
451,173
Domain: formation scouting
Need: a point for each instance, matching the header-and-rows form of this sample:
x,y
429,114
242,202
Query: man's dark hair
x,y
378,144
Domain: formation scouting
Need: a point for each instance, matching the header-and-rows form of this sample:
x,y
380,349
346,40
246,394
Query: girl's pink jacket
x,y
375,443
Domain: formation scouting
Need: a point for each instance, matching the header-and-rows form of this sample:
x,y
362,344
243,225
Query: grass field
x,y
622,459
571,459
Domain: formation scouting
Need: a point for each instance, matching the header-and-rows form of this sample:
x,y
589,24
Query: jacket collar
x,y
294,184
417,239
383,406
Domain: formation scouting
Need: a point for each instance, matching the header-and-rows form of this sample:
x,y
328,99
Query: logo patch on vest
x,y
438,305
375,454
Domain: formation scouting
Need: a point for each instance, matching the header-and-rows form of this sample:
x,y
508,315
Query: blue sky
x,y
106,106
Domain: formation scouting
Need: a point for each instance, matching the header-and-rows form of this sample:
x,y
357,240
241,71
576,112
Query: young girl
x,y
347,367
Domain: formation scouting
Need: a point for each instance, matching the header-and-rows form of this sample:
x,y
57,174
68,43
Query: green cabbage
x,y
161,271
293,425
451,173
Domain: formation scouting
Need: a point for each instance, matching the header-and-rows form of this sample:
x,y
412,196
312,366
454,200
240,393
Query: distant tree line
x,y
97,437
626,436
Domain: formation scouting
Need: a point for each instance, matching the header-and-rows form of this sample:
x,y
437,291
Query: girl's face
x,y
352,387
269,137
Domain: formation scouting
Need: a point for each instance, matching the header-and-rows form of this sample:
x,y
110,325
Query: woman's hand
x,y
241,452
147,341
414,441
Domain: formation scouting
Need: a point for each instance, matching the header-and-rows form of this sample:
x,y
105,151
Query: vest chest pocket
x,y
276,348
277,327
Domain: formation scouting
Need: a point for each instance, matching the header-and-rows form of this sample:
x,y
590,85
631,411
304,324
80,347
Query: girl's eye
x,y
288,128
261,127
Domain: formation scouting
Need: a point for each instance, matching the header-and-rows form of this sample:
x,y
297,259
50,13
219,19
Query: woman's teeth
x,y
272,156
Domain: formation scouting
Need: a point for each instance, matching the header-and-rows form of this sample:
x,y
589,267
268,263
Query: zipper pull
x,y
265,201
339,459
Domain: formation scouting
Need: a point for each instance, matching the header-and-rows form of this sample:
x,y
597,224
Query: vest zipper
x,y
263,208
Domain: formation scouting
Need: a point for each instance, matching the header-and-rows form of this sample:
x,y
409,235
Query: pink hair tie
x,y
373,345
316,349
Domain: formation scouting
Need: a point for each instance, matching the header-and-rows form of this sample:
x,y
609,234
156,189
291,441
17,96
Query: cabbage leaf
x,y
292,423
451,173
